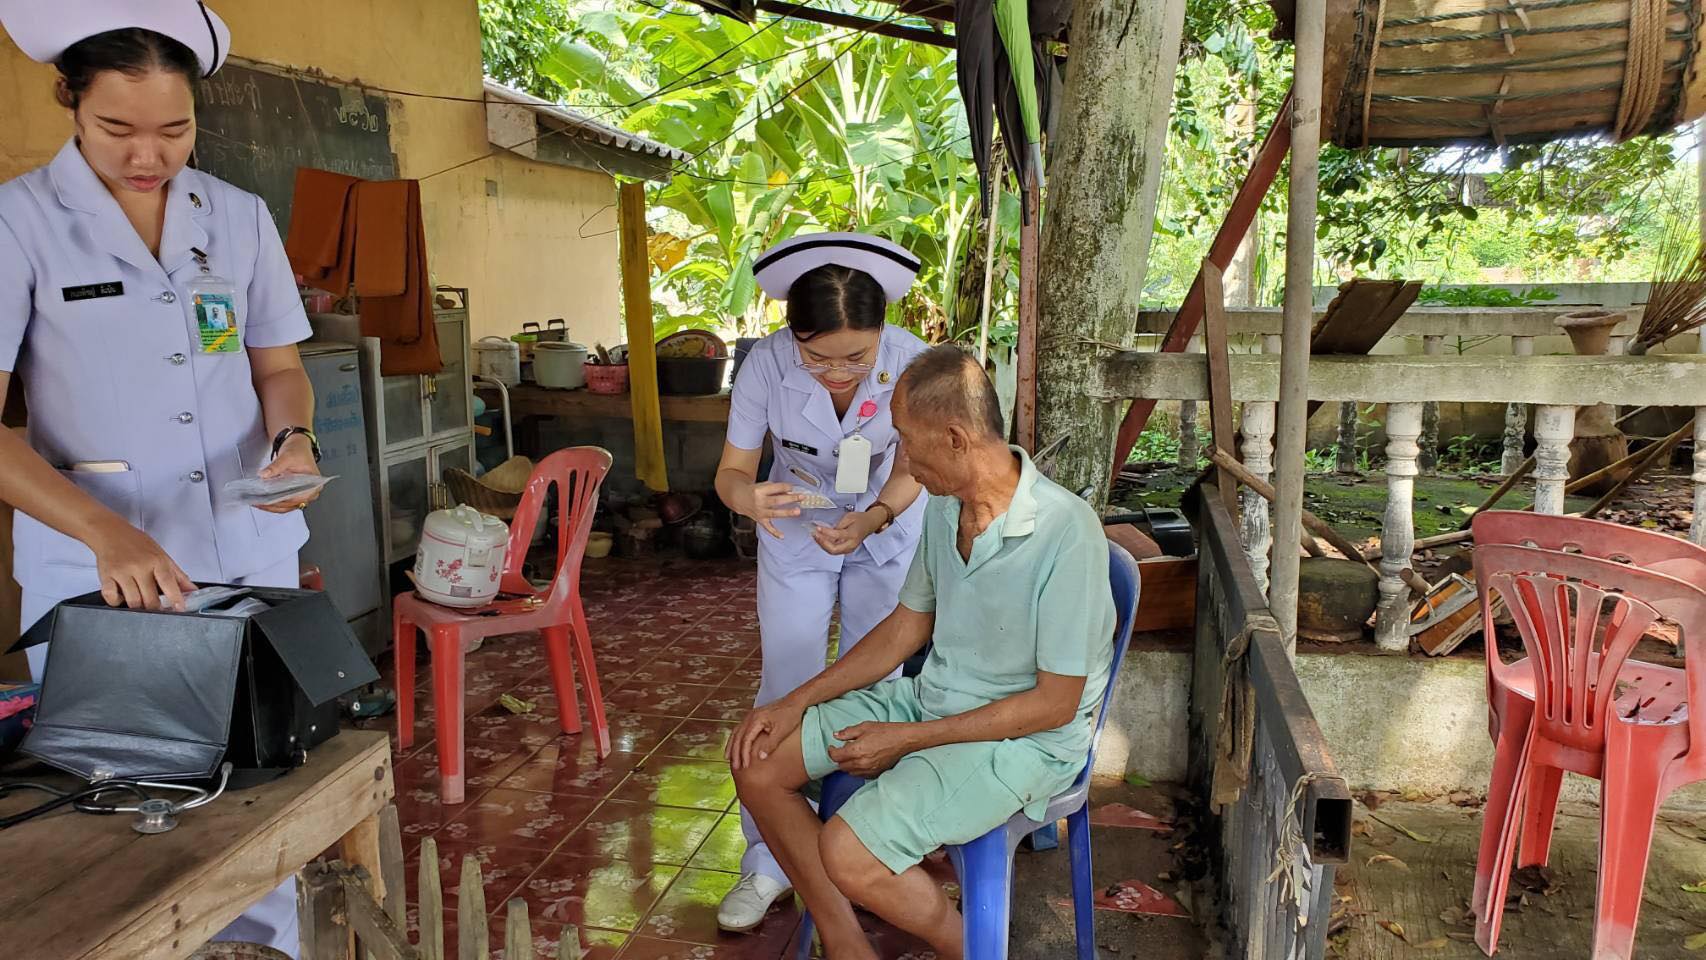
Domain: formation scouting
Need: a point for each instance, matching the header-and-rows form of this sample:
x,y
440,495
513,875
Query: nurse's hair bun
x,y
131,51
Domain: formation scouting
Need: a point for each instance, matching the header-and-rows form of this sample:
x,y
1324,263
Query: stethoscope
x,y
153,814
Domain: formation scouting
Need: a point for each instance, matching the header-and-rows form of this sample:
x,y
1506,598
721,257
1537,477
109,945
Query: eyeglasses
x,y
857,369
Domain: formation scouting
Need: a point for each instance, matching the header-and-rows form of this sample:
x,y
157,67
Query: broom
x,y
1676,298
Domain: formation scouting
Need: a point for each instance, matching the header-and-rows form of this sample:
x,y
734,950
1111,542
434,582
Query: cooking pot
x,y
498,359
559,365
461,557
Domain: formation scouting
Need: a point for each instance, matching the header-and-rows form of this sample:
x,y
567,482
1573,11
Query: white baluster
x,y
1516,417
1428,458
1554,427
1258,451
1398,533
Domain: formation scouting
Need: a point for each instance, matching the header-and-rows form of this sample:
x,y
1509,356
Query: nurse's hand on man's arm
x,y
762,731
295,457
135,572
764,502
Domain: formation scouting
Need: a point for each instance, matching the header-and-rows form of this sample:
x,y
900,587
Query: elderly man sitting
x,y
1010,582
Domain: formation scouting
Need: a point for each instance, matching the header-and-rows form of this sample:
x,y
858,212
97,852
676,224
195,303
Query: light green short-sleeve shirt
x,y
1034,597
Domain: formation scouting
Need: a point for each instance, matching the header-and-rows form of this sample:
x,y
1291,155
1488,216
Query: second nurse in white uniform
x,y
151,316
839,514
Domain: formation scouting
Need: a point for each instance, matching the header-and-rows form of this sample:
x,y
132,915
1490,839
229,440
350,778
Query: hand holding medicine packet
x,y
256,492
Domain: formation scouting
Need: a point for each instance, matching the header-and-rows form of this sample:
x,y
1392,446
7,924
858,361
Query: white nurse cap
x,y
43,31
888,263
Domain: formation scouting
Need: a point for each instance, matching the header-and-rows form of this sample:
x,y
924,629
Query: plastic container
x,y
606,378
559,366
691,376
598,544
498,359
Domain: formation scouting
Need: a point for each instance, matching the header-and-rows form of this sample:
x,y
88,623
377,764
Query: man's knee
x,y
852,868
768,777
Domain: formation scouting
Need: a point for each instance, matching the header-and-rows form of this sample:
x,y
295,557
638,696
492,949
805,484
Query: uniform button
x,y
185,417
177,359
167,297
196,476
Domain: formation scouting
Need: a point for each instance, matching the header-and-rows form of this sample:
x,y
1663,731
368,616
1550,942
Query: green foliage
x,y
795,126
1485,297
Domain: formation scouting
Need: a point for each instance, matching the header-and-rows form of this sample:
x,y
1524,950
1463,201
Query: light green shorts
x,y
944,795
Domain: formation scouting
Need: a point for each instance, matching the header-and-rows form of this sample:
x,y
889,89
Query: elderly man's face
x,y
930,448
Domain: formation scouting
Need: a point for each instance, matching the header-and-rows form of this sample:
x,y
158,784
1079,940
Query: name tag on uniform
x,y
93,291
215,315
791,445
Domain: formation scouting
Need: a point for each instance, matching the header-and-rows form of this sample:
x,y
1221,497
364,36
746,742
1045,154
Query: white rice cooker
x,y
559,365
461,557
498,358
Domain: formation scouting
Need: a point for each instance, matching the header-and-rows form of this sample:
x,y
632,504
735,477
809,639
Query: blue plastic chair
x,y
985,865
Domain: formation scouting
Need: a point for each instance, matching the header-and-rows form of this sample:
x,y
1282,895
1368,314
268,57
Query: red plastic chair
x,y
555,612
1510,687
1595,713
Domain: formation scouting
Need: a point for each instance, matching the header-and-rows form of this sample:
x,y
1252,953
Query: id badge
x,y
853,471
215,304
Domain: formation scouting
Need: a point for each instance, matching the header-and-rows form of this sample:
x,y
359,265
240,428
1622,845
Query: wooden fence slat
x,y
569,945
518,933
472,942
378,934
431,903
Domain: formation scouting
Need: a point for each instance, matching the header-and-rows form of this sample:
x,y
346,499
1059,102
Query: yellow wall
x,y
520,252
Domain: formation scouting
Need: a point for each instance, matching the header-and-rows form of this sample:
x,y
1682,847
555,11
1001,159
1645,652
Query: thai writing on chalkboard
x,y
257,127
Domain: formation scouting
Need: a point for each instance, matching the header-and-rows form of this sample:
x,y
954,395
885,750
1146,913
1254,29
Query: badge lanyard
x,y
853,466
214,300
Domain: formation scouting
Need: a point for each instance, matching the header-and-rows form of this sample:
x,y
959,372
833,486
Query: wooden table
x,y
92,888
529,400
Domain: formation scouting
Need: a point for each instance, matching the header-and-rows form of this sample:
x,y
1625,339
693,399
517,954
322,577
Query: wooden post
x,y
1219,378
472,942
1398,533
1259,458
1190,448
1427,460
320,913
1347,453
1516,417
1292,414
518,933
1101,218
1553,428
649,464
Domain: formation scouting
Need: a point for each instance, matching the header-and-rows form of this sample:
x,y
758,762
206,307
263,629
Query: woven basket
x,y
497,493
1436,72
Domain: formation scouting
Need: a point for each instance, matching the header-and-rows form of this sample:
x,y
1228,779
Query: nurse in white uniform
x,y
121,272
839,514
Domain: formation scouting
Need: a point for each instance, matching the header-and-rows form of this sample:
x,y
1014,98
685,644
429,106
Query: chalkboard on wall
x,y
256,127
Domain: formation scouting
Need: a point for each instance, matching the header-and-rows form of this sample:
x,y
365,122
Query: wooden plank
x,y
1219,379
1246,203
649,464
518,933
1348,326
320,912
165,895
431,894
360,848
569,944
471,901
379,934
1668,380
391,869
530,401
1169,594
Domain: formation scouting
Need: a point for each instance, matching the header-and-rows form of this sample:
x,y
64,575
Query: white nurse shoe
x,y
745,906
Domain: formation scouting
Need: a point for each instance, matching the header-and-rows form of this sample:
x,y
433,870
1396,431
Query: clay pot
x,y
1335,598
1598,443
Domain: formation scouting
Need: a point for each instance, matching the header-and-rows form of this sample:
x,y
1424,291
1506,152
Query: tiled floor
x,y
638,849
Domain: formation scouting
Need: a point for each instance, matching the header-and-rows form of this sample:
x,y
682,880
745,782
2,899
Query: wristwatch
x,y
888,510
288,432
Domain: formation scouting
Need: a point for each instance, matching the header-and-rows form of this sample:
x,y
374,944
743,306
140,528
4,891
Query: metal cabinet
x,y
340,522
416,426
